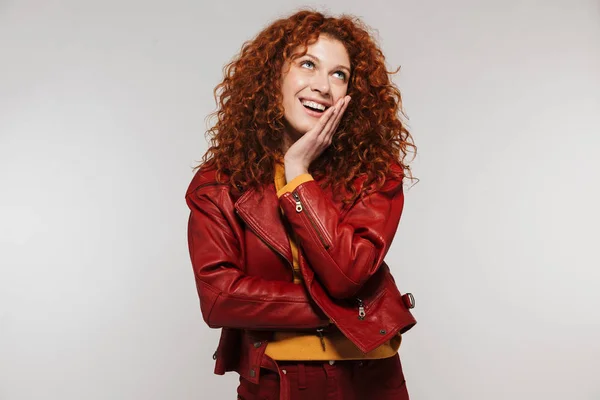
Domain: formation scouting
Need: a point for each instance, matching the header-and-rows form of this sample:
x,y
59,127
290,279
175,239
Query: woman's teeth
x,y
312,104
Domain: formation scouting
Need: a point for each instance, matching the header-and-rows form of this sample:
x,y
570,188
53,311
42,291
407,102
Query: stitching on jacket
x,y
325,252
254,299
212,289
262,232
228,232
371,260
318,220
264,299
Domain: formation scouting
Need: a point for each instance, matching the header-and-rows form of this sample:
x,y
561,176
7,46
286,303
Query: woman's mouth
x,y
310,111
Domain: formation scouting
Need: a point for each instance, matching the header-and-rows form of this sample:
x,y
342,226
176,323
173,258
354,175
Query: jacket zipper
x,y
320,333
236,211
361,309
300,208
319,330
298,205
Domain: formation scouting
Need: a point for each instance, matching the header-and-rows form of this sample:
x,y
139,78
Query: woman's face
x,y
321,75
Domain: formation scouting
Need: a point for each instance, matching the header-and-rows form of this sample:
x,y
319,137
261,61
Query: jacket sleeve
x,y
228,297
344,252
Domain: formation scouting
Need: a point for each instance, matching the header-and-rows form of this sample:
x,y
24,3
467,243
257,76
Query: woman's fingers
x,y
323,121
327,124
342,108
330,123
336,119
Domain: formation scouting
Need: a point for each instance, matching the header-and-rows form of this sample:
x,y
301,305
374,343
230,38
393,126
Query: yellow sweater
x,y
302,346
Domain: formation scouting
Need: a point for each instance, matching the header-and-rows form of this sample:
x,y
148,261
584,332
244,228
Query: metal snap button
x,y
383,331
284,371
331,362
257,344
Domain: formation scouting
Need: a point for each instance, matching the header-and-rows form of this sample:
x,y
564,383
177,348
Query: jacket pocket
x,y
366,305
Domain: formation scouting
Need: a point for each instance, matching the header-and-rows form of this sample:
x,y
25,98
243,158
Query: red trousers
x,y
380,379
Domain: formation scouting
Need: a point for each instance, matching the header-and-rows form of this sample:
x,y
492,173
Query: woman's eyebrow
x,y
338,66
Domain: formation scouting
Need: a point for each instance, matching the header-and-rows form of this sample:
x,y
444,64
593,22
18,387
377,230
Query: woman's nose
x,y
321,84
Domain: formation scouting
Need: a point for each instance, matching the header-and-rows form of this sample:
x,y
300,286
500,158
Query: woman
x,y
294,211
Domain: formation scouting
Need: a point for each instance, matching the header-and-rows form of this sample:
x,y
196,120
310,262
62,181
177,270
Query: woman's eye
x,y
307,61
343,75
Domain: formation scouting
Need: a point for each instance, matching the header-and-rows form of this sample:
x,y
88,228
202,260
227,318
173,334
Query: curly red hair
x,y
248,135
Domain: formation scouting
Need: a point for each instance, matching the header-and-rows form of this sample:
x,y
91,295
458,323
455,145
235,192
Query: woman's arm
x,y
344,253
228,297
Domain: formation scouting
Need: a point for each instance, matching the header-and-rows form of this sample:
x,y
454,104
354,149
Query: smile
x,y
312,113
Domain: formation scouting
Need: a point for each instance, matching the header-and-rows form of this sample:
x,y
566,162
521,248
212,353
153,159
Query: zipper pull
x,y
361,309
320,332
298,204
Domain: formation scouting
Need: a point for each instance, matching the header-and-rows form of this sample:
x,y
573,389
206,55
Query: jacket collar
x,y
262,214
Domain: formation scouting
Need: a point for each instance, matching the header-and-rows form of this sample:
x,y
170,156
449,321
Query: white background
x,y
102,117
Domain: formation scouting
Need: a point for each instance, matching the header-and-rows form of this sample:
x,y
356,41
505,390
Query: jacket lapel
x,y
263,216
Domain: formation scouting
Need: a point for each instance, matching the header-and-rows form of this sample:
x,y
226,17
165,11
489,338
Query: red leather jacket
x,y
242,262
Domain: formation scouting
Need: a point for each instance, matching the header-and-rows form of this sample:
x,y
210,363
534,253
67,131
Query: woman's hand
x,y
315,141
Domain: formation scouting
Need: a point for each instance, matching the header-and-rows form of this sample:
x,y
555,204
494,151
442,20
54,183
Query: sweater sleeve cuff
x,y
291,185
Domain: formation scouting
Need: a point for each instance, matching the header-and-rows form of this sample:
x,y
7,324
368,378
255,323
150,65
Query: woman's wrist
x,y
294,169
